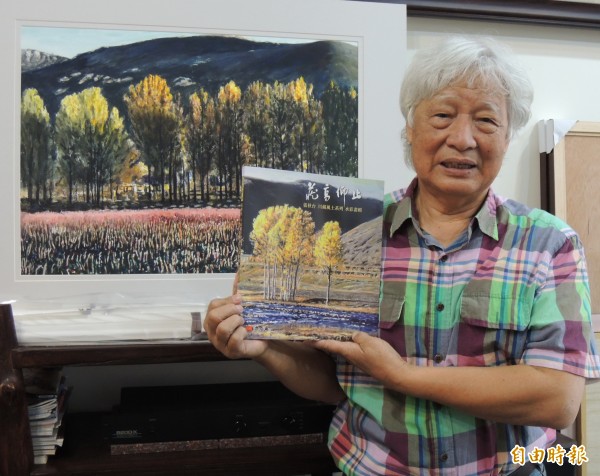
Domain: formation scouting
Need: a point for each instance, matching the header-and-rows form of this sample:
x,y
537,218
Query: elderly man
x,y
485,338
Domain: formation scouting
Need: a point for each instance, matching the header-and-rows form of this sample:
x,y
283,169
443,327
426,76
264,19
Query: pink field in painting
x,y
153,241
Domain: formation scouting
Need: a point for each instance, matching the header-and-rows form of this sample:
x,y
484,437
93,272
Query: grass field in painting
x,y
153,241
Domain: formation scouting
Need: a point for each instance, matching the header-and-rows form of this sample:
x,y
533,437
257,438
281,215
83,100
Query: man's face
x,y
459,138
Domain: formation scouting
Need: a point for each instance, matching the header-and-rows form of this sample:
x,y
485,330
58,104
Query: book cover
x,y
311,254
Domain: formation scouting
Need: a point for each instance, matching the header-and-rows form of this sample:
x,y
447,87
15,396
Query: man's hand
x,y
372,355
307,372
224,326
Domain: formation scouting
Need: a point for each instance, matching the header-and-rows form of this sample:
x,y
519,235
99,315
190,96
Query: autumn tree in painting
x,y
283,239
36,163
91,141
202,141
263,241
329,251
68,131
156,127
308,137
340,113
229,133
117,149
256,125
281,123
297,229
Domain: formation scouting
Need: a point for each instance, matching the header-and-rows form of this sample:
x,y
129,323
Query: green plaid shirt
x,y
512,290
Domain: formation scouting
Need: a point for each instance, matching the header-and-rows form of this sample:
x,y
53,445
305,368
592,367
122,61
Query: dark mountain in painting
x,y
189,63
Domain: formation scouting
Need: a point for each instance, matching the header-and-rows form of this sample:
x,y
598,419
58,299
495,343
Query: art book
x,y
311,254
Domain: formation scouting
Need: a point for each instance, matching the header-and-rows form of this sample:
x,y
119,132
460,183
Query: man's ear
x,y
409,135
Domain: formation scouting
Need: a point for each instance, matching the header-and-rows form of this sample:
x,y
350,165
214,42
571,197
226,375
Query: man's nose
x,y
461,134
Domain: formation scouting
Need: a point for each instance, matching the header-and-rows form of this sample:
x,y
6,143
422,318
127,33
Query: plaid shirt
x,y
512,290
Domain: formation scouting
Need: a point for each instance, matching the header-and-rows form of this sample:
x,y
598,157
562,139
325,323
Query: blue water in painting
x,y
278,314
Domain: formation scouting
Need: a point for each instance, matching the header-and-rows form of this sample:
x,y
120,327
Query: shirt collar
x,y
485,218
401,211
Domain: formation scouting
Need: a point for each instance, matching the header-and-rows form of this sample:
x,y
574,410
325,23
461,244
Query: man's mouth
x,y
458,165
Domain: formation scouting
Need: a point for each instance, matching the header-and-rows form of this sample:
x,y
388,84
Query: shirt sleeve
x,y
560,332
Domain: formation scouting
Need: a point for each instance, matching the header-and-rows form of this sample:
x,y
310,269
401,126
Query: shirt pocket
x,y
497,312
492,330
390,311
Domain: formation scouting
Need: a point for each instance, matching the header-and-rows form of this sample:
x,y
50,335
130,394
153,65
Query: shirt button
x,y
438,358
444,258
440,307
444,457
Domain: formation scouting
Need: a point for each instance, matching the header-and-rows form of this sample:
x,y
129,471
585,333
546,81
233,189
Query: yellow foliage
x,y
115,121
95,108
328,247
32,104
70,113
89,107
230,93
152,92
300,92
284,234
201,107
196,108
133,169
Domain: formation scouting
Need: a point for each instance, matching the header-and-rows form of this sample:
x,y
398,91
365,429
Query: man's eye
x,y
487,124
441,118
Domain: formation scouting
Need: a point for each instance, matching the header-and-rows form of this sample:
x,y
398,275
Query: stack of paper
x,y
47,396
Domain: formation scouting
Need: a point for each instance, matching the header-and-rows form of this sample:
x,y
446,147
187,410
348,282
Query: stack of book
x,y
47,396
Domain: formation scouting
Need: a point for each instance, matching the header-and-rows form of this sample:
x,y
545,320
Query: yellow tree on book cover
x,y
311,254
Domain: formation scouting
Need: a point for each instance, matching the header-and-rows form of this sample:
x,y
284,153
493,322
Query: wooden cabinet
x,y
86,453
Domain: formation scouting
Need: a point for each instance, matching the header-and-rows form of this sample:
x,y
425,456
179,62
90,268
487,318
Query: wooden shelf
x,y
148,352
86,453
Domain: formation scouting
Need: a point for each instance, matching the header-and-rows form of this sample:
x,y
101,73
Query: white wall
x,y
564,65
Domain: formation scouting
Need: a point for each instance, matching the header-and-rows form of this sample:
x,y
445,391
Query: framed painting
x,y
126,126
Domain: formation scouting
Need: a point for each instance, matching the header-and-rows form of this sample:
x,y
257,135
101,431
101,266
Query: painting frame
x,y
571,13
380,31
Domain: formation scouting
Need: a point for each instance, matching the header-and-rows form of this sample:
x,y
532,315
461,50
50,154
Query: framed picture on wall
x,y
127,126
